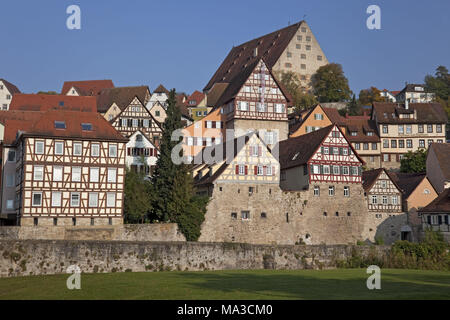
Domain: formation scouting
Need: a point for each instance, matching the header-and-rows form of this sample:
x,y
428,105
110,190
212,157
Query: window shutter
x,y
255,170
321,149
341,151
446,219
264,170
429,219
440,219
321,169
129,151
237,169
246,170
259,151
273,171
359,171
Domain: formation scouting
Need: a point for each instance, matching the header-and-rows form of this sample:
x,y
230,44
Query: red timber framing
x,y
335,160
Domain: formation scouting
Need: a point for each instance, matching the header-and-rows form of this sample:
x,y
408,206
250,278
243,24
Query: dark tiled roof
x,y
410,87
442,151
439,205
333,115
426,112
369,177
270,47
297,151
88,87
43,102
161,89
215,93
361,127
407,182
122,96
11,88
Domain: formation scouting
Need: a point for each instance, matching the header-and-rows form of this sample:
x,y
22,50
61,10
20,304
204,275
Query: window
x,y
9,204
243,106
241,170
326,169
394,200
289,54
409,143
303,66
260,170
38,173
308,38
269,171
94,174
319,58
39,147
157,113
346,191
288,65
57,173
112,173
385,200
336,170
331,190
263,215
279,107
56,199
393,143
110,199
386,157
421,143
93,199
308,47
401,143
400,129
76,174
302,56
357,146
316,191
429,128
420,128
318,116
59,148
269,137
430,141
77,149
345,170
439,128
113,150
234,215
374,146
374,199
75,199
86,126
299,38
60,124
408,129
385,129
245,215
303,29
37,199
385,143
315,169
383,184
95,150
261,107
365,146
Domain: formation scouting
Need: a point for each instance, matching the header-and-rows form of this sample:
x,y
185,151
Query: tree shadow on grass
x,y
346,284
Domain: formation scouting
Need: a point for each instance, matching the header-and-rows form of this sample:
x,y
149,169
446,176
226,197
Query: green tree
x,y
414,161
367,96
137,197
353,107
440,86
330,84
301,99
47,92
174,194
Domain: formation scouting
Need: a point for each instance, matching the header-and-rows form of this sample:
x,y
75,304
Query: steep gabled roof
x,y
270,47
298,150
439,205
196,96
426,112
236,84
407,182
88,87
122,96
161,89
442,152
44,102
369,178
11,88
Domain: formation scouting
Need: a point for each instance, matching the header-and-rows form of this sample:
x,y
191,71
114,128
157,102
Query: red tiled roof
x,y
43,102
88,87
361,127
11,88
161,89
270,47
407,182
439,205
196,96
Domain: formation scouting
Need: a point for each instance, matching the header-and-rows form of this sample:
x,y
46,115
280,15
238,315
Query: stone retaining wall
x,y
33,257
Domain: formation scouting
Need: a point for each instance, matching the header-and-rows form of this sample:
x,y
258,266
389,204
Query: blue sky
x,y
181,43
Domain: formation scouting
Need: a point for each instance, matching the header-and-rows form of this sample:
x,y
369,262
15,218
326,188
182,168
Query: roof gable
x,y
11,88
121,96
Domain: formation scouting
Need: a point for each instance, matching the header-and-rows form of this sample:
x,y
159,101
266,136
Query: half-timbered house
x,y
69,169
255,101
141,154
323,157
85,87
135,116
112,101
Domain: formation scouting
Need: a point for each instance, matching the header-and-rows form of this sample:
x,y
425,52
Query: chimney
x,y
255,52
406,104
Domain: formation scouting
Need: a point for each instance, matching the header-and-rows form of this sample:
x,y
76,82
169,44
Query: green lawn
x,y
260,284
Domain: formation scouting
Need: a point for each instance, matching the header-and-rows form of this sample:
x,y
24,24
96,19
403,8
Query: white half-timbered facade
x,y
383,194
70,170
322,156
137,117
141,154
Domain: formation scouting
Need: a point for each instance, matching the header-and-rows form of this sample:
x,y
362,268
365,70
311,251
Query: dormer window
x,y
61,103
354,133
192,102
60,125
86,126
370,133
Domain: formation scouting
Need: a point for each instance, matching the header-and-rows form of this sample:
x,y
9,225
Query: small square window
x,y
95,150
59,148
39,147
86,126
60,125
77,149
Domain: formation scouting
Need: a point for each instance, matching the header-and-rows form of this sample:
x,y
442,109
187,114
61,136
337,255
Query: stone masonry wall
x,y
37,257
126,232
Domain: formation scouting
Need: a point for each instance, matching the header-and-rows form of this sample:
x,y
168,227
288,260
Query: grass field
x,y
260,284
